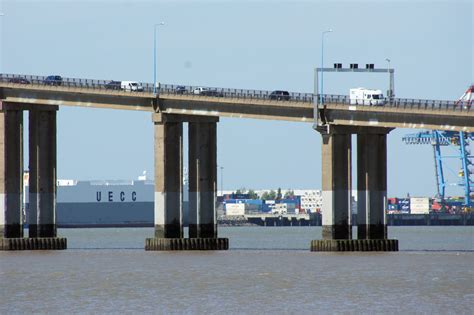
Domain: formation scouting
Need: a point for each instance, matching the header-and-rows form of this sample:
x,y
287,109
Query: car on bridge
x,y
207,92
113,85
133,86
279,95
200,90
53,80
180,89
19,81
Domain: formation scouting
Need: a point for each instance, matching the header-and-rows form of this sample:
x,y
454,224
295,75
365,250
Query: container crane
x,y
462,143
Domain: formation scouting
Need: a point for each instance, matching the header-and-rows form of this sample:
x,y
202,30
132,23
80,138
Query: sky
x,y
265,45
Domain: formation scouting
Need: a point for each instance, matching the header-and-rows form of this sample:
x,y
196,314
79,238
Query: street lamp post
x,y
322,64
222,181
389,91
1,14
154,54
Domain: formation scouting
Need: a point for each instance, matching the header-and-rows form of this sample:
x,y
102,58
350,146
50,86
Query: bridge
x,y
336,120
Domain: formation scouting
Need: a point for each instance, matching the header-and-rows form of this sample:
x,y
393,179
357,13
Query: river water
x,y
265,270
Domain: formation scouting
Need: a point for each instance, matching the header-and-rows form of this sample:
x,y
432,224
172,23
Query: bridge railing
x,y
404,103
72,83
200,91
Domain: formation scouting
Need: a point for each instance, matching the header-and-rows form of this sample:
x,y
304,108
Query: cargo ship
x,y
104,203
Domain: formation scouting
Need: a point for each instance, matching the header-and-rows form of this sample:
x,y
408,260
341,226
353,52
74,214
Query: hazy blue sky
x,y
240,44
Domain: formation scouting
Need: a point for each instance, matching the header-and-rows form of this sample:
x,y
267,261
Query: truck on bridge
x,y
363,96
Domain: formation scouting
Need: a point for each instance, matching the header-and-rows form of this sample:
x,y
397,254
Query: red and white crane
x,y
467,98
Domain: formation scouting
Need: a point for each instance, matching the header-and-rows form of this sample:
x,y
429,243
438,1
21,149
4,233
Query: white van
x,y
131,86
363,96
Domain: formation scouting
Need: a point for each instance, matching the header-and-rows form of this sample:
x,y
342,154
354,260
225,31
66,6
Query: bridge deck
x,y
399,113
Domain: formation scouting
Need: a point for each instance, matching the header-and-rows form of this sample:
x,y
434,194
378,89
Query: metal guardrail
x,y
176,89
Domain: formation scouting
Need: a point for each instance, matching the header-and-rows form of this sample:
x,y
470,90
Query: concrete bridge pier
x,y
336,184
372,190
202,180
11,173
169,188
42,160
372,185
168,180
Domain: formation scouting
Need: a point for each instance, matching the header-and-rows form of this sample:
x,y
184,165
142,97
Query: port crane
x,y
460,145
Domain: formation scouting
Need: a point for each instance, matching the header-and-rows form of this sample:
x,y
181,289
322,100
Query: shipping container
x,y
257,202
252,208
295,200
403,205
235,209
392,207
392,201
266,207
240,196
436,206
420,210
420,200
291,207
417,206
403,201
234,201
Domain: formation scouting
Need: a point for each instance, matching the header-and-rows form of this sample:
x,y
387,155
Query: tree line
x,y
267,195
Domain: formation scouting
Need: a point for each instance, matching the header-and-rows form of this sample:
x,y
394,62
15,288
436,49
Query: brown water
x,y
266,270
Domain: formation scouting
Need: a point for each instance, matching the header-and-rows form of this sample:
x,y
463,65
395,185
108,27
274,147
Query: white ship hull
x,y
105,203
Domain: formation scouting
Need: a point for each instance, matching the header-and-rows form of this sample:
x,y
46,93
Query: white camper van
x,y
363,96
131,86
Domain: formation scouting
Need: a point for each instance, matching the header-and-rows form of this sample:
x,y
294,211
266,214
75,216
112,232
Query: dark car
x,y
279,95
215,93
53,80
19,81
113,85
180,89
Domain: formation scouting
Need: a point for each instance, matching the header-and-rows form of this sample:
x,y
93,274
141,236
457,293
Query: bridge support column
x,y
336,184
371,185
168,179
372,191
42,179
202,180
42,160
168,185
11,173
